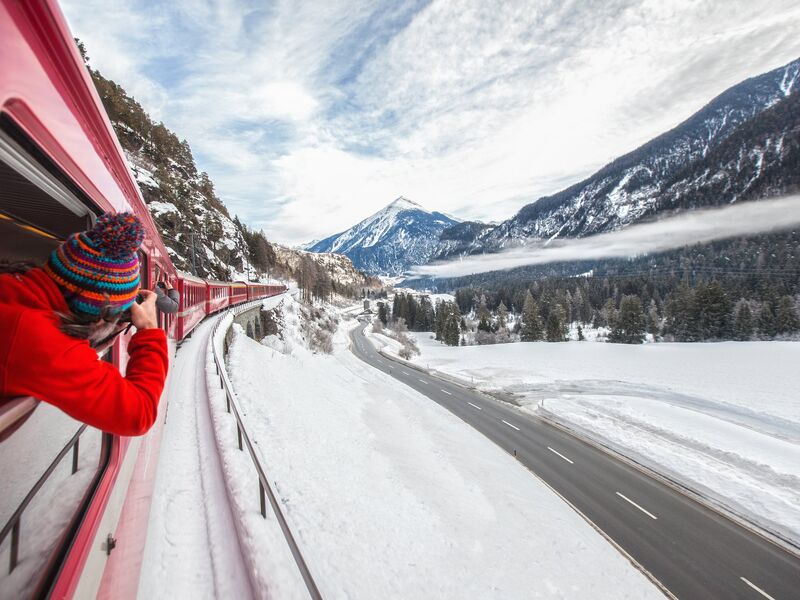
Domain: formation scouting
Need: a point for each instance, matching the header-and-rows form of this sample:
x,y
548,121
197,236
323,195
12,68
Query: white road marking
x,y
561,455
379,360
510,425
423,381
756,588
405,372
647,512
474,406
446,392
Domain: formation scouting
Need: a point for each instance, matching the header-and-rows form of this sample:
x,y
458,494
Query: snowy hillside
x,y
395,238
200,234
337,266
666,172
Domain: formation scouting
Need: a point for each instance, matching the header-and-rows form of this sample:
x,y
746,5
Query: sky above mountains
x,y
311,115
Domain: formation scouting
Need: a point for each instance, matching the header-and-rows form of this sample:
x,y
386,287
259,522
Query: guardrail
x,y
264,487
13,525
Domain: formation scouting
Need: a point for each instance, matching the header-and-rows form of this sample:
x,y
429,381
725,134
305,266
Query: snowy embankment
x,y
392,496
722,419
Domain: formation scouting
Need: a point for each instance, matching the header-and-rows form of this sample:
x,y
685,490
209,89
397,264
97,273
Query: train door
x,y
50,463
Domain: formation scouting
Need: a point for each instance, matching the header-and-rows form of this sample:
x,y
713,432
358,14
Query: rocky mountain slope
x,y
395,238
739,146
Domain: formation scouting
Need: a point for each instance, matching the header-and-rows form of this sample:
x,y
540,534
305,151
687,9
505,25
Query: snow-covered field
x,y
723,419
392,496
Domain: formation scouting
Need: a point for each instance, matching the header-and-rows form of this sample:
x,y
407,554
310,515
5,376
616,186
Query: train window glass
x,y
46,514
36,209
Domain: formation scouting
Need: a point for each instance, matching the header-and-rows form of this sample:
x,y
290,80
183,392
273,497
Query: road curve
x,y
693,551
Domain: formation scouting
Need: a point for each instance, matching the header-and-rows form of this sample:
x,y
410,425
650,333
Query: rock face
x,y
395,238
742,145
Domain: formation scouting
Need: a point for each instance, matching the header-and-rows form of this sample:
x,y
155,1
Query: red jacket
x,y
37,359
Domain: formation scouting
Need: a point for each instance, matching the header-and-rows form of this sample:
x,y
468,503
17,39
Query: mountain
x,y
401,235
723,153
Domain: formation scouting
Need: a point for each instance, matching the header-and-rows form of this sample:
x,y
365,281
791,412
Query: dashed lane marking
x,y
561,455
446,392
756,588
474,405
645,511
510,425
423,381
405,373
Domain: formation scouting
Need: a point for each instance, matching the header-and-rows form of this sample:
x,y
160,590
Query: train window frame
x,y
38,199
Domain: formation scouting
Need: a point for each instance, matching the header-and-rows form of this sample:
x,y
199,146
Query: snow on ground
x,y
724,418
392,496
192,550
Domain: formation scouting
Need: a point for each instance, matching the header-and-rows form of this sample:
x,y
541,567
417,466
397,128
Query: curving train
x,y
61,166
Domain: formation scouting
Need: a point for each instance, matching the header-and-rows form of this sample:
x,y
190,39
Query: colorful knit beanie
x,y
99,267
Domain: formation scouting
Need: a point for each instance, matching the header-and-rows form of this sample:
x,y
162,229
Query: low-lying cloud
x,y
698,226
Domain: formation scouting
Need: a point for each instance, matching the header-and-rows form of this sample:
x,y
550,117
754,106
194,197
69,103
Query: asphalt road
x,y
694,552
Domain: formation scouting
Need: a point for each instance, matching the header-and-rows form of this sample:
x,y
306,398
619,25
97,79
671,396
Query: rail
x,y
264,487
13,525
13,413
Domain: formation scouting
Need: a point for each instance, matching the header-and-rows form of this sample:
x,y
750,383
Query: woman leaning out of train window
x,y
55,319
167,297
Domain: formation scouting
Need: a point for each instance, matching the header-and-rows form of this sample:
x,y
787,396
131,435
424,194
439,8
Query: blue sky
x,y
310,115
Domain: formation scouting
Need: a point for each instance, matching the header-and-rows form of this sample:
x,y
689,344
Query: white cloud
x,y
694,227
310,116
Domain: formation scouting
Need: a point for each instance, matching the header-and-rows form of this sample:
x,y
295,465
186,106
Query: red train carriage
x,y
192,309
237,292
274,290
256,291
217,296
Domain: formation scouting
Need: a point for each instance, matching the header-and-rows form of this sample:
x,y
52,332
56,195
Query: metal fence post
x,y
263,497
75,456
239,434
14,545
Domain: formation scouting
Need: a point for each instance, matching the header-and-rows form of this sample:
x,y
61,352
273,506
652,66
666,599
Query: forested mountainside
x,y
199,232
740,288
738,147
392,240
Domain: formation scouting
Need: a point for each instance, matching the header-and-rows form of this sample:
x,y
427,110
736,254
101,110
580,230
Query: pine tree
x,y
786,320
653,322
502,316
581,337
629,326
743,323
681,315
382,313
713,310
554,328
531,322
483,316
767,325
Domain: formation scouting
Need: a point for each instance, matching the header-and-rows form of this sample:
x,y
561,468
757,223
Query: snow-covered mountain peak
x,y
388,242
403,203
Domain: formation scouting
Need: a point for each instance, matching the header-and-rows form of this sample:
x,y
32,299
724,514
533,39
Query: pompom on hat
x,y
99,267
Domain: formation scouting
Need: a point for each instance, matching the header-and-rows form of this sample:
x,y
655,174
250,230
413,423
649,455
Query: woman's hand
x,y
143,316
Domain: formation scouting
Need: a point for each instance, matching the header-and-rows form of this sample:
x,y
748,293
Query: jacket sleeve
x,y
67,373
167,303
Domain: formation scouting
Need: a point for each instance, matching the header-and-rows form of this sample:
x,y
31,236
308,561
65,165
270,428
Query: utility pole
x,y
194,254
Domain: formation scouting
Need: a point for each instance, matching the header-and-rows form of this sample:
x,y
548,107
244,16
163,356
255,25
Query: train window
x,y
37,210
42,491
46,474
